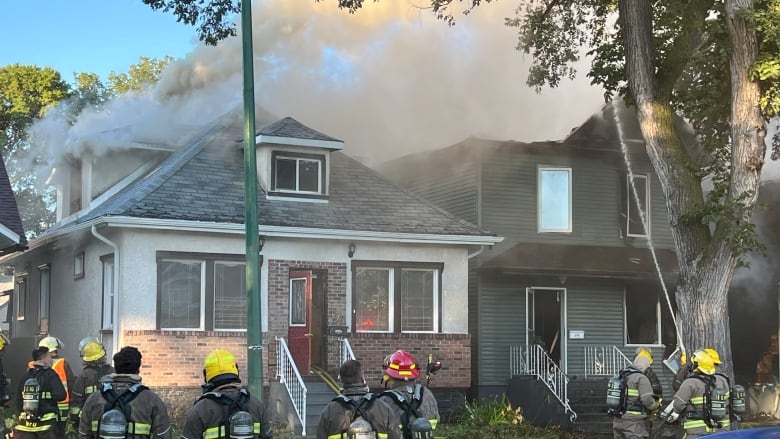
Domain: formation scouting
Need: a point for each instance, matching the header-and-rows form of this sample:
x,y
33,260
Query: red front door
x,y
299,332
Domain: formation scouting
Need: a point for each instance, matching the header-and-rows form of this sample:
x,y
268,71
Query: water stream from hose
x,y
643,217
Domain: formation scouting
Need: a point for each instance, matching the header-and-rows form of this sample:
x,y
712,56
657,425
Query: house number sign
x,y
576,335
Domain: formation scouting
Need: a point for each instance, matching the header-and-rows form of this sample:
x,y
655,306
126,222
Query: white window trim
x,y
390,299
289,310
539,170
320,164
629,199
214,297
659,342
44,303
202,295
435,293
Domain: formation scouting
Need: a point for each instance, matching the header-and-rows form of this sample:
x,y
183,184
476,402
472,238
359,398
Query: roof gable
x,y
289,131
11,231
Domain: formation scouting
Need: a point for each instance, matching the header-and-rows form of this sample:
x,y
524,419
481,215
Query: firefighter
x,y
218,413
93,355
655,383
410,400
631,419
690,401
62,367
724,383
355,407
682,373
36,398
123,405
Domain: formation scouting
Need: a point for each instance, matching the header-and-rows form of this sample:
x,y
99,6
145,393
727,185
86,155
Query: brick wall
x,y
454,351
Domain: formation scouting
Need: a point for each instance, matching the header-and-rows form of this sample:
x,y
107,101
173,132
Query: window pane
x,y
180,284
21,298
417,300
641,316
309,174
634,219
285,174
554,199
372,307
297,301
44,305
229,295
108,294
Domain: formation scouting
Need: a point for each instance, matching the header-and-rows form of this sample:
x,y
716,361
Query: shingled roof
x,y
203,181
11,231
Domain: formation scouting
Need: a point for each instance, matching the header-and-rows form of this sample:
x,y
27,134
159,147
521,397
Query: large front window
x,y
207,292
396,298
298,173
554,199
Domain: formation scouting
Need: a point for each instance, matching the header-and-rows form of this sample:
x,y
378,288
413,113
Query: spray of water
x,y
643,216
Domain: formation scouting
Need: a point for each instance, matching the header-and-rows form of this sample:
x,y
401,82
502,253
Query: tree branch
x,y
683,46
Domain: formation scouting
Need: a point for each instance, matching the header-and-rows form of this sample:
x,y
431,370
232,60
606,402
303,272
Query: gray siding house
x,y
572,290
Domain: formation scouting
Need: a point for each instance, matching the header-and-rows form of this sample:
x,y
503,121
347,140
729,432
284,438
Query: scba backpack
x,y
237,422
412,428
617,392
116,412
360,426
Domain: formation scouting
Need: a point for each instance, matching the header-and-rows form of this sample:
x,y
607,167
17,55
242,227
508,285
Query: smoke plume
x,y
388,80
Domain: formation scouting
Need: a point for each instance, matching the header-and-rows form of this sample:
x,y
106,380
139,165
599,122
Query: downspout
x,y
479,206
115,311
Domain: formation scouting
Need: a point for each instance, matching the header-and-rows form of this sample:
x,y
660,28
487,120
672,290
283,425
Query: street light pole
x,y
254,330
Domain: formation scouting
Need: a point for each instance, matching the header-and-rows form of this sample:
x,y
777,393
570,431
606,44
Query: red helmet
x,y
401,366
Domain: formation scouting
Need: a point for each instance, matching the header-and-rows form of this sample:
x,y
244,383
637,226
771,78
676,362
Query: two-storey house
x,y
572,290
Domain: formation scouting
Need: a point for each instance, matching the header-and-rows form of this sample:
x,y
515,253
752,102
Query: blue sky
x,y
96,36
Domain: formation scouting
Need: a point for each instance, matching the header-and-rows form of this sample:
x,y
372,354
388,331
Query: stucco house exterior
x,y
572,290
149,251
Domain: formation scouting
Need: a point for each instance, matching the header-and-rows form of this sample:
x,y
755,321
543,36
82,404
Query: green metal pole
x,y
254,330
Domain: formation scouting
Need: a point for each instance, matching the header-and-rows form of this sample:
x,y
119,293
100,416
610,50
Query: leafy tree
x,y
213,17
26,93
714,62
142,74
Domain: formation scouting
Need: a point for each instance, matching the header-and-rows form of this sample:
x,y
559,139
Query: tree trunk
x,y
706,262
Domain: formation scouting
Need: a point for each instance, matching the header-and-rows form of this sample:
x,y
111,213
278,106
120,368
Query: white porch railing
x,y
533,360
345,350
604,360
288,375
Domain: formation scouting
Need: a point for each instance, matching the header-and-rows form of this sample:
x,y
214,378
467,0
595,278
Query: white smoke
x,y
388,80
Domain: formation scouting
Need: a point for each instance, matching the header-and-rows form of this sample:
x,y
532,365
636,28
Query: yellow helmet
x,y
219,362
92,351
53,343
4,341
702,362
713,354
644,352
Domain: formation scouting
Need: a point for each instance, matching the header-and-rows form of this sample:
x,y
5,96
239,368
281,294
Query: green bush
x,y
496,419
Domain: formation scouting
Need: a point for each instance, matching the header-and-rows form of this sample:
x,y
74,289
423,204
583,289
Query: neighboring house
x,y
149,251
11,231
573,287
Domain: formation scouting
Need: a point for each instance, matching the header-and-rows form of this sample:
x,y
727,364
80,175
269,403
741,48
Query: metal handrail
x,y
533,360
605,360
288,375
345,350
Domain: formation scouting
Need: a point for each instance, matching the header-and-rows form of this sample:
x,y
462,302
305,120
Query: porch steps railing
x,y
288,374
604,360
533,360
345,350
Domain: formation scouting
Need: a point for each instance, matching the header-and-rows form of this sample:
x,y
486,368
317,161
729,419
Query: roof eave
x,y
333,145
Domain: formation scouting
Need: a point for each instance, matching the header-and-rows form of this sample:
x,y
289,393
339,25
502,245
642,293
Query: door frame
x,y
529,292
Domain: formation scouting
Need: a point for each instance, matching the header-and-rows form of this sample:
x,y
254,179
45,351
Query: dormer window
x,y
298,173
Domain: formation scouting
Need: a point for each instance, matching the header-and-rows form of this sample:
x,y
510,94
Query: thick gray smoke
x,y
388,80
